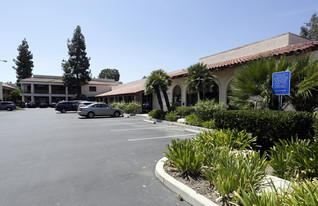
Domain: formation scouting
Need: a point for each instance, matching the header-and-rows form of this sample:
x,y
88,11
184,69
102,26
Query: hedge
x,y
267,125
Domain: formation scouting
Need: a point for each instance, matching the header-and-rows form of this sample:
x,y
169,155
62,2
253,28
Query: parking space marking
x,y
140,128
164,137
118,124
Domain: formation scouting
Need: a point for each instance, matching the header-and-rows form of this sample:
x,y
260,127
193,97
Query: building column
x,y
32,93
1,92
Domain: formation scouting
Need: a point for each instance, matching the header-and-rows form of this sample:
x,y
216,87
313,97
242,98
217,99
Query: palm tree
x,y
252,85
304,84
199,79
158,81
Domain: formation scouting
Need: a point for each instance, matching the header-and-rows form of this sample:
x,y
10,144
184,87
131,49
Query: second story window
x,y
92,89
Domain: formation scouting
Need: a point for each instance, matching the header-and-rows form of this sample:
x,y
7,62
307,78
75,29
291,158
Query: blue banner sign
x,y
281,83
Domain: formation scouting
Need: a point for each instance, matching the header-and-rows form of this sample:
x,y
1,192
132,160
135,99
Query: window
x,y
92,89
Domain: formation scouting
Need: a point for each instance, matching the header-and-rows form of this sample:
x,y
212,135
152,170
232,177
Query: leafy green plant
x,y
184,111
295,158
172,116
120,105
205,109
185,156
235,139
253,198
302,193
237,172
156,114
132,108
194,119
209,124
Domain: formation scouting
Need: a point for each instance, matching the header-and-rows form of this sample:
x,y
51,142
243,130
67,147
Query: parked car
x,y
53,104
9,106
99,109
31,105
84,103
20,104
65,106
43,105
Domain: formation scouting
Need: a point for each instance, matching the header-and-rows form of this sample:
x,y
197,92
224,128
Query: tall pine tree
x,y
310,31
76,68
24,62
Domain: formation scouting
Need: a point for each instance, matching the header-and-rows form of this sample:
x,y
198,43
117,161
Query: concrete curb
x,y
181,189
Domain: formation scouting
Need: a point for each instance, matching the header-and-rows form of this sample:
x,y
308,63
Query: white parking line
x,y
141,128
118,124
165,137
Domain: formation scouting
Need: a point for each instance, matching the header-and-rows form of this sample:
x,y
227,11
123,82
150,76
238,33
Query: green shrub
x,y
120,105
302,193
184,111
209,124
295,158
156,114
206,109
194,119
269,126
172,116
253,198
237,172
234,139
184,155
132,108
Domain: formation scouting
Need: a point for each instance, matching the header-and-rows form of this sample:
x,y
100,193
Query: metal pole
x,y
280,102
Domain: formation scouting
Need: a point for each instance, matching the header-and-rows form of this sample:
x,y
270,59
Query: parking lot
x,y
50,158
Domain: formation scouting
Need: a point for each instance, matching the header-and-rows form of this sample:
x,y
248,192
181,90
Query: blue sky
x,y
139,36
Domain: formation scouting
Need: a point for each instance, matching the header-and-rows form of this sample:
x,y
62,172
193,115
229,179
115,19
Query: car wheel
x,y
9,109
63,111
116,114
90,115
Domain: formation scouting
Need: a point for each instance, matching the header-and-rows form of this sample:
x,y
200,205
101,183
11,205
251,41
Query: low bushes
x,y
184,111
206,109
269,126
132,108
172,116
129,108
295,158
156,114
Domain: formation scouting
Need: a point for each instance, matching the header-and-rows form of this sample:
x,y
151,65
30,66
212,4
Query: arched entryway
x,y
177,94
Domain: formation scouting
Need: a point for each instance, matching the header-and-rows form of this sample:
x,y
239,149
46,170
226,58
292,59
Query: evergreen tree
x,y
76,68
24,62
310,31
109,74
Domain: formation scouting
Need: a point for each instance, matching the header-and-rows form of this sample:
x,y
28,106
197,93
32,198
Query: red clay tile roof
x,y
288,50
128,88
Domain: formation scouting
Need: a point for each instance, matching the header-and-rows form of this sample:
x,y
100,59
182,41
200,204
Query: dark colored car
x,y
43,105
65,106
20,104
53,104
9,106
31,105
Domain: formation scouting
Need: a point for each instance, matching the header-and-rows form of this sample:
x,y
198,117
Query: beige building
x,y
5,90
44,88
224,65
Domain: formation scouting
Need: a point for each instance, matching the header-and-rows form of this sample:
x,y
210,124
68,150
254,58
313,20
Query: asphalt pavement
x,y
49,158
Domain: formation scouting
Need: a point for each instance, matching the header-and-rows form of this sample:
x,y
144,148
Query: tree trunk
x,y
159,98
165,95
